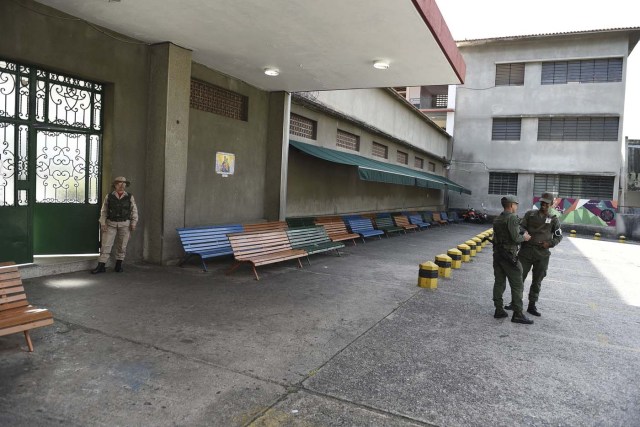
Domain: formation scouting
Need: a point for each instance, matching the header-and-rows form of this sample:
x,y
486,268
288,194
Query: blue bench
x,y
417,220
312,240
363,227
444,217
207,242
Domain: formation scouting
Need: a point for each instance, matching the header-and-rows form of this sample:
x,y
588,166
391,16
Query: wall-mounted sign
x,y
225,163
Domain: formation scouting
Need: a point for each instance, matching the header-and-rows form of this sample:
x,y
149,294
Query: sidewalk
x,y
348,340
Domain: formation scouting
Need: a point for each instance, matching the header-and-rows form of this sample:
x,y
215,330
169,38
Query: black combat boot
x,y
508,307
533,309
500,313
518,317
118,268
99,269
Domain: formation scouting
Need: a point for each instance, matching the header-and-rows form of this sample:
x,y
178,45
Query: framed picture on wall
x,y
225,163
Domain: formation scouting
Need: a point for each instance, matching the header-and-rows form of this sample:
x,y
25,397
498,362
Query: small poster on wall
x,y
225,163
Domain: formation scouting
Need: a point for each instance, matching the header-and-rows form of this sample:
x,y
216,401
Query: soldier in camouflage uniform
x,y
545,233
506,242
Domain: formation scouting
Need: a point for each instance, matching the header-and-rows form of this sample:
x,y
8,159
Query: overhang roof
x,y
316,45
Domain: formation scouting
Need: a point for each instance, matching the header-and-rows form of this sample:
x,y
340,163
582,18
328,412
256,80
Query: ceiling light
x,y
271,72
381,65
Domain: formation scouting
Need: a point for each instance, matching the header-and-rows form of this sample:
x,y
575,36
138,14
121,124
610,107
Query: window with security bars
x,y
379,150
506,129
583,71
503,183
578,129
440,101
216,100
575,186
302,126
348,140
418,163
432,167
510,74
402,157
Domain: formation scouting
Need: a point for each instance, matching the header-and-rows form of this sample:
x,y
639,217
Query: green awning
x,y
373,170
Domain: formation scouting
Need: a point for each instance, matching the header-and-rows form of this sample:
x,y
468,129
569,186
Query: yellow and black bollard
x,y
472,247
428,275
478,241
597,236
456,258
485,238
572,233
622,239
465,249
444,265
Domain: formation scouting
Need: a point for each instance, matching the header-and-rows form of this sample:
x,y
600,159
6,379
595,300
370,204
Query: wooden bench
x,y
337,230
265,226
262,248
403,221
16,315
363,227
312,240
417,220
436,218
444,217
428,218
385,223
207,242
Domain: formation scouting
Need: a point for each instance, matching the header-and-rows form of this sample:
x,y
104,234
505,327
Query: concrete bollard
x,y
484,237
596,236
472,247
572,233
478,241
444,265
456,258
622,239
428,275
465,249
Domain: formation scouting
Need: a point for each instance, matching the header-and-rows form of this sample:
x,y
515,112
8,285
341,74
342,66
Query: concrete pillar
x,y
167,146
275,200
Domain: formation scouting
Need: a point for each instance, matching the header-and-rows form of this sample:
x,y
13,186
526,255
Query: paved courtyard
x,y
346,341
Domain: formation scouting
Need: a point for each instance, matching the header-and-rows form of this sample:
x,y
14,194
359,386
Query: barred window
x,y
302,126
575,186
584,71
419,163
348,140
578,129
440,101
506,129
432,167
503,183
402,157
380,150
214,99
510,74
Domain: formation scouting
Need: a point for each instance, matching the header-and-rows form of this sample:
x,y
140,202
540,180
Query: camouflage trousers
x,y
539,261
119,233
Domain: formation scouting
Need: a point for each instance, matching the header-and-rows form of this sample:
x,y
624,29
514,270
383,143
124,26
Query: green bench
x,y
385,223
313,240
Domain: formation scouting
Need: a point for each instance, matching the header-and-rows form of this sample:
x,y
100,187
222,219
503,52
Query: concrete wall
x,y
211,198
478,101
50,40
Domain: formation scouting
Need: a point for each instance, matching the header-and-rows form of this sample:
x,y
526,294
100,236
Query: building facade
x,y
543,113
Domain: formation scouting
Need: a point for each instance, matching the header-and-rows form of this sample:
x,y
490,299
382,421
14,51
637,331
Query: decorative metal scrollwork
x,y
7,164
7,94
60,167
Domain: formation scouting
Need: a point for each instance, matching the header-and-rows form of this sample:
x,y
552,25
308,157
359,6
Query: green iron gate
x,y
50,150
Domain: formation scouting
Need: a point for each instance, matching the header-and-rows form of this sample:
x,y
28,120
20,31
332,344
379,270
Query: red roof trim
x,y
430,13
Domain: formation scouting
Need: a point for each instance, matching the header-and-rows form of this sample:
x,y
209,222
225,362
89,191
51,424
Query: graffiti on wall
x,y
583,211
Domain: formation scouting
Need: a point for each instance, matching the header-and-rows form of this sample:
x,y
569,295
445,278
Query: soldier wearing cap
x,y
118,218
506,242
545,233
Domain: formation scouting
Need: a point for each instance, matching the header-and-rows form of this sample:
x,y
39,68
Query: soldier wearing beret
x,y
118,218
506,243
546,233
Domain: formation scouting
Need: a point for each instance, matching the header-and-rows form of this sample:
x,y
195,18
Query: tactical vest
x,y
119,209
501,235
538,228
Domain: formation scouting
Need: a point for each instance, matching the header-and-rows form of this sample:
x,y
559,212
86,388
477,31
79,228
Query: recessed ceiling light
x,y
381,65
271,72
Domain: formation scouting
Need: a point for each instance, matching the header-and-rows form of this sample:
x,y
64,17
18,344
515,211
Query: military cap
x,y
510,198
547,198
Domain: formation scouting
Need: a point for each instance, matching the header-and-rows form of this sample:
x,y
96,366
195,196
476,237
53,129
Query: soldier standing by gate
x,y
545,233
506,241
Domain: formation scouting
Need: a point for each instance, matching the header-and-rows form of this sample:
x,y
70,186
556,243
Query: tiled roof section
x,y
529,36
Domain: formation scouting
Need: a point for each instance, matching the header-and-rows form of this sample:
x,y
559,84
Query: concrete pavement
x,y
348,340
